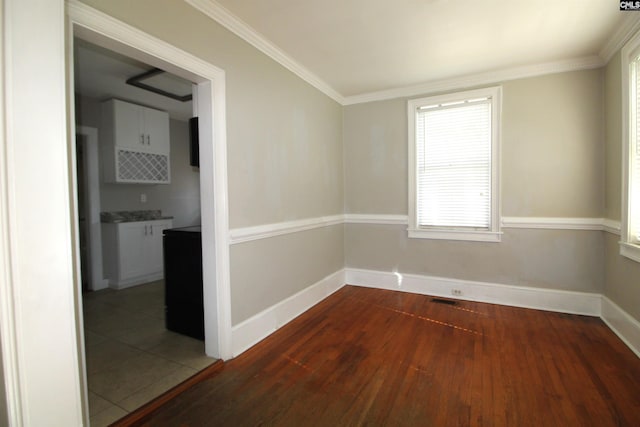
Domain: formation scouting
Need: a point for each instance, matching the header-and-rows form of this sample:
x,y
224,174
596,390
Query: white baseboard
x,y
258,327
622,324
100,284
517,296
123,284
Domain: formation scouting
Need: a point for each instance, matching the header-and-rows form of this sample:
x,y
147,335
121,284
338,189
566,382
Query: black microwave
x,y
194,142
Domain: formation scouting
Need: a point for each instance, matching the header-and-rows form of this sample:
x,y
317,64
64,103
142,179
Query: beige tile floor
x,y
131,357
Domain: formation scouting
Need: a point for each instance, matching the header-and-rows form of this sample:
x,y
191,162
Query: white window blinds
x,y
634,156
453,170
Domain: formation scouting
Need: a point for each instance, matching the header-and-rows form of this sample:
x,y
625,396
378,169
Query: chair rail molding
x,y
247,234
265,231
554,223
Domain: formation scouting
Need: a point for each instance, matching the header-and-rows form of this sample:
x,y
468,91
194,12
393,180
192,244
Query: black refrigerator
x,y
184,310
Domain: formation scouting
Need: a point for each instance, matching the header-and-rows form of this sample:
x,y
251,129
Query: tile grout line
x,y
107,300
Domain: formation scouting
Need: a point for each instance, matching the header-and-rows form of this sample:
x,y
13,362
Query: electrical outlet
x,y
456,292
143,198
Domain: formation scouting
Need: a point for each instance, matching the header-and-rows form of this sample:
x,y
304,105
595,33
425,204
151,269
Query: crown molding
x,y
628,27
240,28
224,17
474,80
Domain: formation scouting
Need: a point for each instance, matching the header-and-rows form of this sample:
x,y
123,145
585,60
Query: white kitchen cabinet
x,y
135,143
137,127
133,252
156,130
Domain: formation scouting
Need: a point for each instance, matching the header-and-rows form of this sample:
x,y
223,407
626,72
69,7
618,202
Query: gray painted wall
x,y
271,276
551,167
294,153
622,275
551,149
284,147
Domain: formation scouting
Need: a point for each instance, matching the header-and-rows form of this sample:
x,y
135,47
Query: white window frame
x,y
493,234
629,245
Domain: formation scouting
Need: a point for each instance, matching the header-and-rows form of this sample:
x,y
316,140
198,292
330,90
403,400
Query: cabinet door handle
x,y
151,229
145,230
142,138
148,139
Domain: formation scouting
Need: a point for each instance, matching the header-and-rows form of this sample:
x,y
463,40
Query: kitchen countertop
x,y
132,216
191,229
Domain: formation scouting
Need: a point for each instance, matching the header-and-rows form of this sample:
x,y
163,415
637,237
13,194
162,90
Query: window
x,y
453,166
630,242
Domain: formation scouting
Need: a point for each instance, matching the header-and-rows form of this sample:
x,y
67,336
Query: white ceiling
x,y
359,50
102,74
363,46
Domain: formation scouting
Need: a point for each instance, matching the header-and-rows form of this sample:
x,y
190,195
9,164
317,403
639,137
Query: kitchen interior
x,y
139,220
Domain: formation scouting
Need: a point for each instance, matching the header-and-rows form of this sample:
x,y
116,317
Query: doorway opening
x,y
133,349
209,95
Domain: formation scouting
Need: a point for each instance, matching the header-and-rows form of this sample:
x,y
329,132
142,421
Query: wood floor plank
x,y
374,357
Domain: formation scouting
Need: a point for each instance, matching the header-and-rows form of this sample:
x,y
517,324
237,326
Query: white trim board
x,y
241,29
253,330
611,226
481,79
256,328
591,304
376,219
549,223
622,324
629,26
247,234
515,296
92,199
234,24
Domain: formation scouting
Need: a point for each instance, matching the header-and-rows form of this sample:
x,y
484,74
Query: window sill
x,y
630,250
471,236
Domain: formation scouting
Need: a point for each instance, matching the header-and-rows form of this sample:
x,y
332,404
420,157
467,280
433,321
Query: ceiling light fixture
x,y
163,83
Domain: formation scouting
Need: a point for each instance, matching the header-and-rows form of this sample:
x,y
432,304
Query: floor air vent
x,y
443,301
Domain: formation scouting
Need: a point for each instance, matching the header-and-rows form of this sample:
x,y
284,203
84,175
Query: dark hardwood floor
x,y
374,357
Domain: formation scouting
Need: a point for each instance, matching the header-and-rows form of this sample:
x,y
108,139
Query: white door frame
x,y
103,30
96,280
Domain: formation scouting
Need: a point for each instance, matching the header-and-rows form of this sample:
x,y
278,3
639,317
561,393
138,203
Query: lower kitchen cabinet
x,y
133,252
